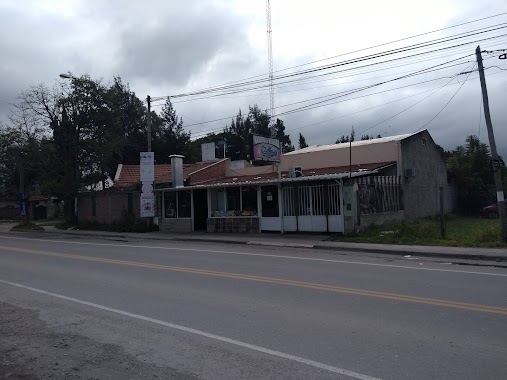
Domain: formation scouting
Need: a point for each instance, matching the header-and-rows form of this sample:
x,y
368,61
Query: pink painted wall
x,y
339,156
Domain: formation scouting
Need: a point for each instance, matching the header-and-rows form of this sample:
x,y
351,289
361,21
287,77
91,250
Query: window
x,y
249,200
94,205
233,199
217,202
424,142
269,197
170,205
178,204
184,204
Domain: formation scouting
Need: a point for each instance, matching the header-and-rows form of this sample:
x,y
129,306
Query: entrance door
x,y
200,209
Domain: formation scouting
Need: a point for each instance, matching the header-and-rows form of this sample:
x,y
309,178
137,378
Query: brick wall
x,y
211,172
243,224
110,207
175,225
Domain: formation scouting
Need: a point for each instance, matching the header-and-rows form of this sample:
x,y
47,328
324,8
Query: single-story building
x,y
329,188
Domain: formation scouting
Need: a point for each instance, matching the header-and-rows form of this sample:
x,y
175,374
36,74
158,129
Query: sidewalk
x,y
320,242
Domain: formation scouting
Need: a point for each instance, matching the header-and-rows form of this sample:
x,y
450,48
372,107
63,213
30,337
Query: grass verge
x,y
461,232
27,226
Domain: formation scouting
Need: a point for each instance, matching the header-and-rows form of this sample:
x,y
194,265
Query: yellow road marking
x,y
272,280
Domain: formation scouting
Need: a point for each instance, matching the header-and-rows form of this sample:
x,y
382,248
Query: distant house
x,y
328,188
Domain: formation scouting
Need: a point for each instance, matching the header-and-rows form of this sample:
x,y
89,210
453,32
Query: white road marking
x,y
262,255
190,330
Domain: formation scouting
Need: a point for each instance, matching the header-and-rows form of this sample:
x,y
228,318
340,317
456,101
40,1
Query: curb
x,y
403,252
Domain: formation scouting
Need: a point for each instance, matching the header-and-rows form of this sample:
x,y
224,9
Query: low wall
x,y
367,220
241,224
175,225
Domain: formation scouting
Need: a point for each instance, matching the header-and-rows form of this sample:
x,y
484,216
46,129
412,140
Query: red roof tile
x,y
130,174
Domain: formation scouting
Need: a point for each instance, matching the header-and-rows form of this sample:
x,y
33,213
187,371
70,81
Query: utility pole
x,y
442,213
496,168
148,119
22,201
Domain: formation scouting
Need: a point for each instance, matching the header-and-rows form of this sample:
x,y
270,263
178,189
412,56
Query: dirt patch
x,y
31,350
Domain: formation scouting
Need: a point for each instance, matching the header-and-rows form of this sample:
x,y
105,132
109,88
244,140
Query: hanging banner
x,y
147,170
147,205
266,149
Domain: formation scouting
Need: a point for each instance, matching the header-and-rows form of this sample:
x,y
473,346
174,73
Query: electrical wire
x,y
360,59
360,50
336,95
446,104
206,132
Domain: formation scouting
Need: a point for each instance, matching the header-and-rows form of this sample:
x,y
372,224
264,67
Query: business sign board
x,y
147,168
266,149
147,205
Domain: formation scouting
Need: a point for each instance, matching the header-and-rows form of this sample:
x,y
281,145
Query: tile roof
x,y
130,174
306,173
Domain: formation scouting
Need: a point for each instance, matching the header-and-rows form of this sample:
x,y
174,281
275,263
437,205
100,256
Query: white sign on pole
x,y
147,205
147,160
147,188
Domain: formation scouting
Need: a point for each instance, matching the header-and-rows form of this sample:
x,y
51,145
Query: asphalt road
x,y
211,311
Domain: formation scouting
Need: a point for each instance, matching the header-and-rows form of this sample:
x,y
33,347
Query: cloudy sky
x,y
170,47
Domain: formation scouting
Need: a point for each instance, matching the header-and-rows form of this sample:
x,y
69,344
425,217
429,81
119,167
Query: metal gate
x,y
314,207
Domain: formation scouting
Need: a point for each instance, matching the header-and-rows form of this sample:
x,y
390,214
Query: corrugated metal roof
x,y
381,140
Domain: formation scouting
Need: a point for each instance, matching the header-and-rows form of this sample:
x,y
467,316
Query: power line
x,y
362,49
446,104
362,59
222,96
205,132
406,109
343,93
341,101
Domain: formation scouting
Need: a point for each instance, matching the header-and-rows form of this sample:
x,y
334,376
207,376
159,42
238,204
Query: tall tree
x,y
284,139
173,138
302,141
237,135
470,169
131,112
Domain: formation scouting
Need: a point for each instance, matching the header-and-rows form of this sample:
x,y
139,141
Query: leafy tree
x,y
237,135
131,112
342,139
284,139
302,141
171,137
470,169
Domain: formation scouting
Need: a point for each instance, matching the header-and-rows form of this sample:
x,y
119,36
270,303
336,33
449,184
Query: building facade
x,y
330,188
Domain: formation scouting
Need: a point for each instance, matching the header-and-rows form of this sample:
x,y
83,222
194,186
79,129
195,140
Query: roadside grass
x,y
27,226
49,223
116,226
461,232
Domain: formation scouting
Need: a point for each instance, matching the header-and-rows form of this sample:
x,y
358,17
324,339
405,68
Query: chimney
x,y
177,170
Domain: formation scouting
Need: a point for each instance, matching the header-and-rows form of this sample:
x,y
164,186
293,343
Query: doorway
x,y
200,209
